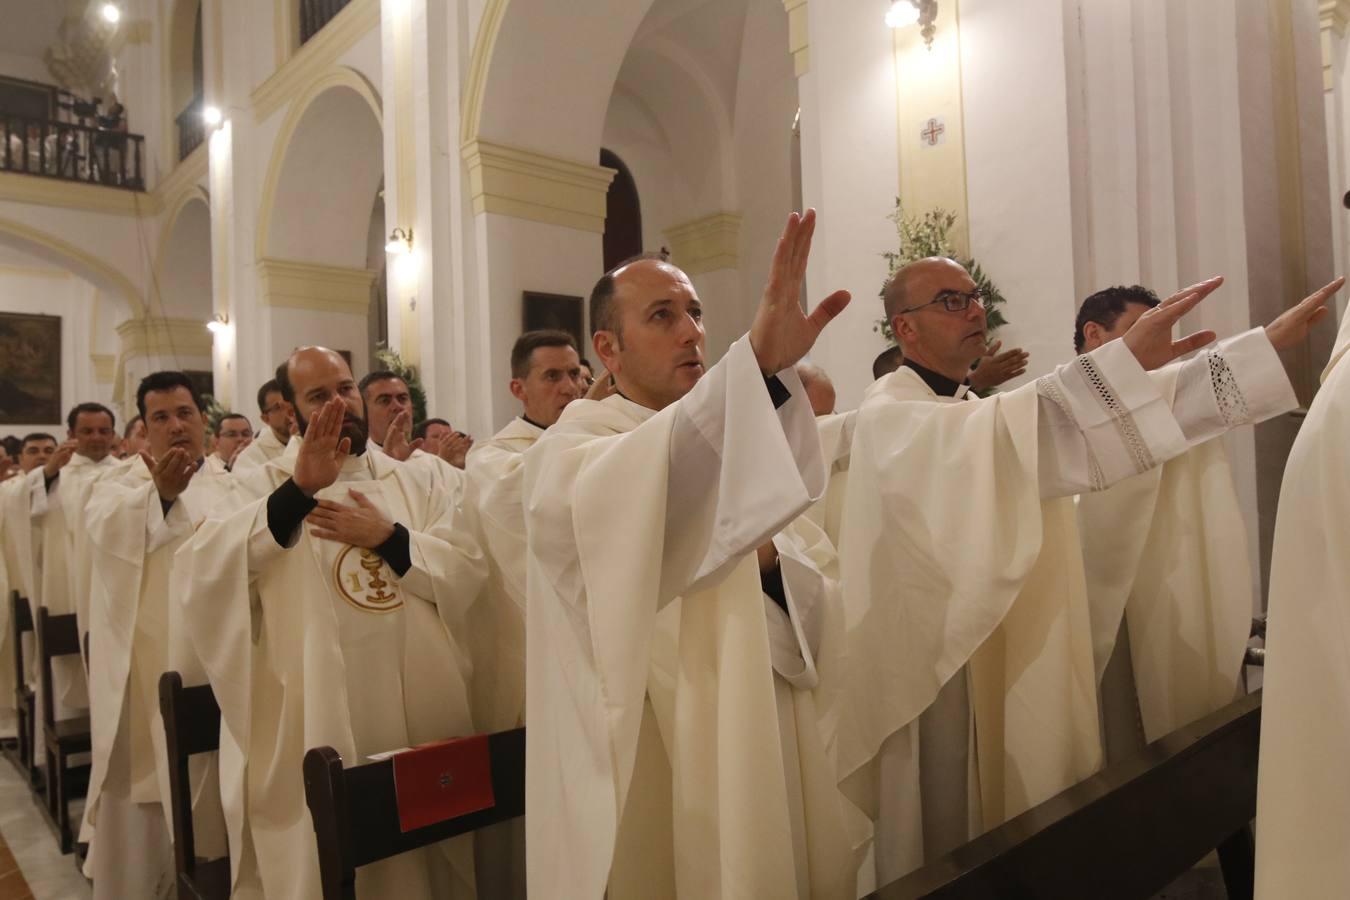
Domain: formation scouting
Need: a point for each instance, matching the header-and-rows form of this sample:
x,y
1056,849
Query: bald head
x,y
312,376
648,323
819,388
943,340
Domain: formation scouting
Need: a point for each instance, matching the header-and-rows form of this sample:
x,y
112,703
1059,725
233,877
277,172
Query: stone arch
x,y
183,283
66,255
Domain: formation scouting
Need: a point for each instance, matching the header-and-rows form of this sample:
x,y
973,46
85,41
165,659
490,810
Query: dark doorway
x,y
623,214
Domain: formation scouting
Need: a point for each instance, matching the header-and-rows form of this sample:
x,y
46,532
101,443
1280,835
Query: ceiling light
x,y
111,13
902,13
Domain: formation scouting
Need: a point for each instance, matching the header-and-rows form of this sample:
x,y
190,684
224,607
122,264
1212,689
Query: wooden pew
x,y
356,816
25,701
191,726
1125,833
59,636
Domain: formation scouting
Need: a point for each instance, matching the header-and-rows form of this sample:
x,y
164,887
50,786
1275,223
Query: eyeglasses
x,y
235,435
952,301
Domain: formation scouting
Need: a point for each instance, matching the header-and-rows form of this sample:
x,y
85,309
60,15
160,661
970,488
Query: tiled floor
x,y
48,874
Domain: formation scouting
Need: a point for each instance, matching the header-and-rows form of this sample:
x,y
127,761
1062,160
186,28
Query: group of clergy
x,y
763,649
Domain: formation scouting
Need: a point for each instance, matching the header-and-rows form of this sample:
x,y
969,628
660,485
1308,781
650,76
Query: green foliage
x,y
391,360
214,412
920,237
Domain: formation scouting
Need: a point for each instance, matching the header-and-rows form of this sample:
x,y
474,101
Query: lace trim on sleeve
x,y
1048,389
1227,395
1125,425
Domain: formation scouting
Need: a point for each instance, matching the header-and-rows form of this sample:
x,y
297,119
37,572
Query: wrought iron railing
x,y
72,152
314,14
191,127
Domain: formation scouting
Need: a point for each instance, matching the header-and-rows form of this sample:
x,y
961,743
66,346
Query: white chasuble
x,y
322,644
836,442
626,511
495,473
1167,551
132,541
1302,814
964,588
16,544
8,722
264,448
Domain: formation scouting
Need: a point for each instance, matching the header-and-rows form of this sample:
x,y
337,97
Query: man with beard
x,y
675,748
326,611
137,518
277,417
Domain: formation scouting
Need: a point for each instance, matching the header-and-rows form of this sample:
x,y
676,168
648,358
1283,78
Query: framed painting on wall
x,y
557,311
30,369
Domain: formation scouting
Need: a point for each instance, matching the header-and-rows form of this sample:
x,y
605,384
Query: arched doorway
x,y
623,213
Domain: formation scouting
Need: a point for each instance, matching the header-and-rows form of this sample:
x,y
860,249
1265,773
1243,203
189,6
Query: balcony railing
x,y
71,152
191,128
314,14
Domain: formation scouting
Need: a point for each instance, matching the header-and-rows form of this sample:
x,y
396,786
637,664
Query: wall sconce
x,y
914,12
111,12
219,322
400,242
212,116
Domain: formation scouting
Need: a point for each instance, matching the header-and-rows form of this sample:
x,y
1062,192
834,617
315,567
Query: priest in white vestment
x,y
277,417
390,410
233,434
328,611
137,520
1302,814
58,495
659,763
545,377
962,572
1168,578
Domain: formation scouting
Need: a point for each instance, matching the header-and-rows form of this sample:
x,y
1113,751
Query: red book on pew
x,y
440,781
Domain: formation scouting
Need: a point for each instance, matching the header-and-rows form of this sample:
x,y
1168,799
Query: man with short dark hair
x,y
138,517
328,611
278,418
233,434
133,437
1108,314
389,407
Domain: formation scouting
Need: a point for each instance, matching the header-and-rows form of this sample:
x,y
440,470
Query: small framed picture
x,y
557,311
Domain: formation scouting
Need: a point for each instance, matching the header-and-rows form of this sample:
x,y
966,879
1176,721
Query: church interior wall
x,y
18,65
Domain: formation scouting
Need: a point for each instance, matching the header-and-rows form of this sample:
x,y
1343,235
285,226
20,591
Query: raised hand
x,y
1150,338
1292,325
171,473
324,449
59,459
455,449
996,368
781,333
396,442
601,388
362,525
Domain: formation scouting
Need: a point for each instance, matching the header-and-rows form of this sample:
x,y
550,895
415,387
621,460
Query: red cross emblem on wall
x,y
932,132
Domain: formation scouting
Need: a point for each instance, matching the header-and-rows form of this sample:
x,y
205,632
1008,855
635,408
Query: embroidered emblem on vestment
x,y
365,581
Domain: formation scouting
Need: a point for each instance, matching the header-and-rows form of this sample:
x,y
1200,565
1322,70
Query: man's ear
x,y
1092,335
606,346
901,327
518,389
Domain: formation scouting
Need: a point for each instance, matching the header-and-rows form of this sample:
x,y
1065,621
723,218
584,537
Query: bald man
x,y
674,608
327,612
962,570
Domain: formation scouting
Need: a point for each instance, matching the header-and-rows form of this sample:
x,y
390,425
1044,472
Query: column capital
x,y
706,244
799,39
510,181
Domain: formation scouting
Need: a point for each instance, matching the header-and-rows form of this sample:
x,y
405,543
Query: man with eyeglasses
x,y
234,434
278,416
963,578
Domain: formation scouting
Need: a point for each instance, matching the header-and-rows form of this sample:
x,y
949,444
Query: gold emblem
x,y
364,580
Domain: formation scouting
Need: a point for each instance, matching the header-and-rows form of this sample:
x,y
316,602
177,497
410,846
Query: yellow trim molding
x,y
34,272
160,336
1333,16
471,113
39,191
799,35
525,185
103,270
317,55
339,77
187,178
706,244
105,367
302,285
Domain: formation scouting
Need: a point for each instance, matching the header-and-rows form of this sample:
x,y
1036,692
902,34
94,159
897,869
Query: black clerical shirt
x,y
941,384
286,510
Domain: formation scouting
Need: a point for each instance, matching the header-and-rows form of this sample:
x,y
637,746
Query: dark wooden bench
x,y
1125,833
24,754
64,738
191,726
356,816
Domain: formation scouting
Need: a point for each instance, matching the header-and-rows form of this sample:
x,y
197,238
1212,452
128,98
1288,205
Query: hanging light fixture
x,y
112,13
400,242
903,13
